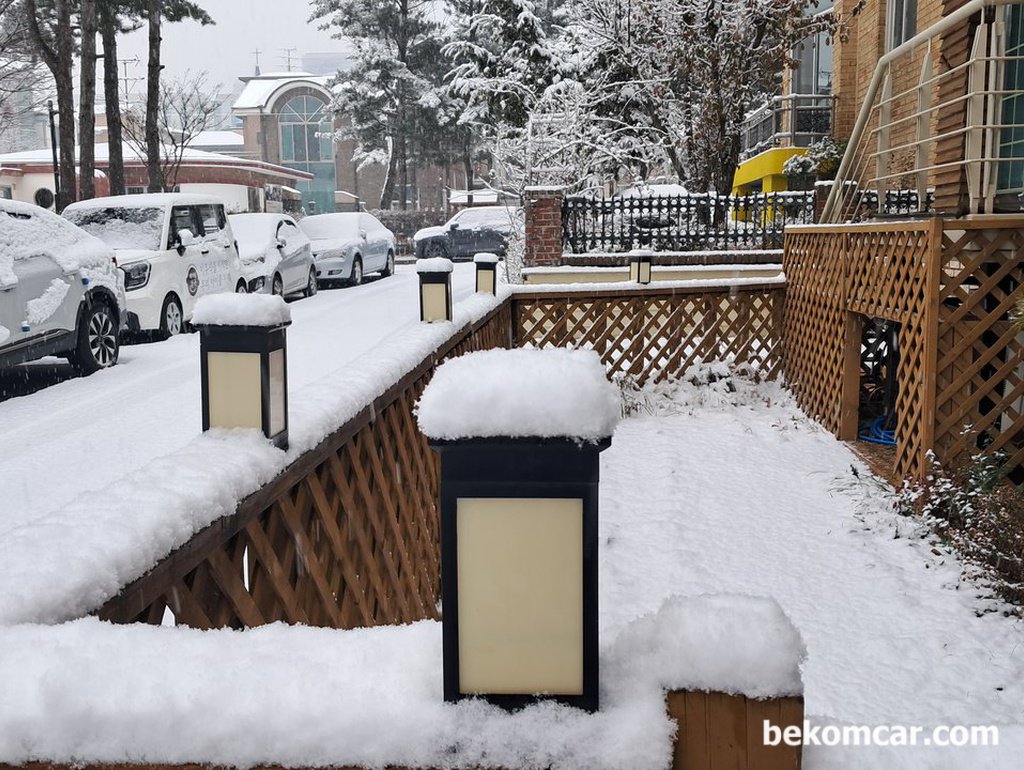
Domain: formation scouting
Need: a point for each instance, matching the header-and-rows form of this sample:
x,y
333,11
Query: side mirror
x,y
453,226
185,238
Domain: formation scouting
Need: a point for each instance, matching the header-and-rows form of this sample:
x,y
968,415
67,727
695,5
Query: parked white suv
x,y
60,291
173,249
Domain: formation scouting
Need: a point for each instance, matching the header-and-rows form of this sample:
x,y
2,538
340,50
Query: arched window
x,y
305,130
305,125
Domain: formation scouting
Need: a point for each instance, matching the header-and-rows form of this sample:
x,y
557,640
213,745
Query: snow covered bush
x,y
976,511
821,162
713,384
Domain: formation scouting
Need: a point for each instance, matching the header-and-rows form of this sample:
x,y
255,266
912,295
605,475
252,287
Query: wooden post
x,y
716,731
849,405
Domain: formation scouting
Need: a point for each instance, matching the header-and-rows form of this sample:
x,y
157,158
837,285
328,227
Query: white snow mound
x,y
228,309
434,265
742,645
519,393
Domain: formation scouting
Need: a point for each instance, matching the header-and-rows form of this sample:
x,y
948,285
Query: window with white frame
x,y
900,22
6,193
1011,135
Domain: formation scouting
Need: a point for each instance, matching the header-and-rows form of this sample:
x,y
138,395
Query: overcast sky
x,y
225,49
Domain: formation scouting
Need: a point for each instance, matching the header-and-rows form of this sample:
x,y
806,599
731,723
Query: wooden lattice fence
x,y
950,286
657,333
345,537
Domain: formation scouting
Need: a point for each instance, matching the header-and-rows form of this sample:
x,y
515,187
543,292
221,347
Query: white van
x,y
173,249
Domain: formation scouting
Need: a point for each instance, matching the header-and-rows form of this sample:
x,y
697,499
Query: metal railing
x,y
682,222
794,120
906,138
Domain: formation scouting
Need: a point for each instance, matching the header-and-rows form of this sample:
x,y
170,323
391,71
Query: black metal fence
x,y
682,222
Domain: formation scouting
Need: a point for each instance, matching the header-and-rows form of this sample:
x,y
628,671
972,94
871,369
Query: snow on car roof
x,y
26,230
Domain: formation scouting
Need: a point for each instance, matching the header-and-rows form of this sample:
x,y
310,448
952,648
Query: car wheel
x,y
277,287
171,320
389,265
241,288
357,272
98,345
311,285
435,249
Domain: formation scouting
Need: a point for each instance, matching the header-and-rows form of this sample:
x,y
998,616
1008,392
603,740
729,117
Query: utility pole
x,y
288,56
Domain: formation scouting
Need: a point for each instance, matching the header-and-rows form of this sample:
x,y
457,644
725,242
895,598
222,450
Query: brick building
x,y
244,184
287,120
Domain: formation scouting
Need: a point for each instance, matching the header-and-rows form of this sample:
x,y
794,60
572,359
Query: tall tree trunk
x,y
153,167
403,158
65,104
87,102
58,58
387,194
112,98
467,166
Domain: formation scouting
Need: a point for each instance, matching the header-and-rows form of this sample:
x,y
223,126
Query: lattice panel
x,y
980,370
876,271
349,539
886,272
814,321
656,333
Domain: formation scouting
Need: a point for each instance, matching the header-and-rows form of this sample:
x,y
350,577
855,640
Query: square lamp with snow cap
x,y
519,433
435,289
243,354
486,272
640,266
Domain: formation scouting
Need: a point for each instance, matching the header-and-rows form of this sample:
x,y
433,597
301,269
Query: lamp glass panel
x,y
645,272
634,271
520,591
278,416
435,302
485,280
234,389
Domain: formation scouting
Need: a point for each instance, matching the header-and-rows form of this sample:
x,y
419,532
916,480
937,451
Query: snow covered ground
x,y
78,436
704,490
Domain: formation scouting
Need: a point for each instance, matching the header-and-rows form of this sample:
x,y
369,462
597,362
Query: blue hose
x,y
876,432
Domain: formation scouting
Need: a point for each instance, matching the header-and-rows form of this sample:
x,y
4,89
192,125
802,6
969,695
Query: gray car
x,y
61,293
276,255
347,246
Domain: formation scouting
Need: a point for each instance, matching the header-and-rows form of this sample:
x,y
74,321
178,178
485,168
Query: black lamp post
x,y
435,289
519,528
486,272
640,266
245,378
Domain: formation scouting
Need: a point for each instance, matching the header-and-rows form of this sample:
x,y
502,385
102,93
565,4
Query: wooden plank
x,y
727,731
695,749
759,755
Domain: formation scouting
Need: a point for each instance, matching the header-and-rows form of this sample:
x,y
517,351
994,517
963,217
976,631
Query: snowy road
x,y
80,435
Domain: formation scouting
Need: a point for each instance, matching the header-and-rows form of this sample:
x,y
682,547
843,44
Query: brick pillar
x,y
543,207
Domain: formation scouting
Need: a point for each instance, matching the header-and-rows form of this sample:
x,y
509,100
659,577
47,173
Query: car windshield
x,y
473,219
122,228
324,226
253,230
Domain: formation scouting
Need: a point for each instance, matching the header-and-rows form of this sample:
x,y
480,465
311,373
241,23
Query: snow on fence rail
x,y
347,535
683,222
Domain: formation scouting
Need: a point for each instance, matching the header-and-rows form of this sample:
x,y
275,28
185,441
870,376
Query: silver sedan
x,y
276,255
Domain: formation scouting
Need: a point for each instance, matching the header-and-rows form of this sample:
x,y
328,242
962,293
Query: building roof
x,y
259,91
190,158
219,139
